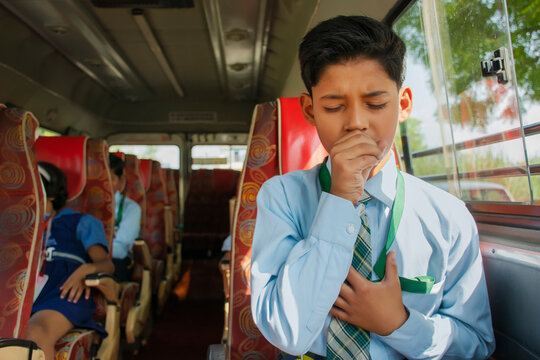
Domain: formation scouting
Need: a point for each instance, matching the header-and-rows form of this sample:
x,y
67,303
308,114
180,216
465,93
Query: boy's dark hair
x,y
345,38
55,183
116,164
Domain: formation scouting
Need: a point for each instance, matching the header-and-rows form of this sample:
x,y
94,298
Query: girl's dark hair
x,y
348,37
116,164
55,183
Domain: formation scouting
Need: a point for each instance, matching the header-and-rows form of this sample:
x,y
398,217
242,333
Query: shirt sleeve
x,y
295,279
461,328
90,232
128,230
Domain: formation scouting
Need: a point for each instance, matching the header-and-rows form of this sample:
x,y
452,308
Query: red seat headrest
x,y
68,153
299,144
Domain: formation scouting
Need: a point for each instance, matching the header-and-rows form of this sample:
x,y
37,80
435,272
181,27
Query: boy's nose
x,y
357,120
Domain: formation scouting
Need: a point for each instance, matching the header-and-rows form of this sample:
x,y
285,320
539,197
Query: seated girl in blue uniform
x,y
75,246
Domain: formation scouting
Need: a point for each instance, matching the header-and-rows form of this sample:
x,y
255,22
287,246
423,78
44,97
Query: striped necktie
x,y
347,341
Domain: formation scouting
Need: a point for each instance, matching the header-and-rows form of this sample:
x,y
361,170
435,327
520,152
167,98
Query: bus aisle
x,y
187,326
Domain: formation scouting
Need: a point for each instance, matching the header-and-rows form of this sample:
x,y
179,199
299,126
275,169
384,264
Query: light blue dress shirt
x,y
129,227
303,247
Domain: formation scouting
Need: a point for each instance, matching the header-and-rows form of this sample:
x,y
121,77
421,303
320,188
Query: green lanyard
x,y
120,212
419,284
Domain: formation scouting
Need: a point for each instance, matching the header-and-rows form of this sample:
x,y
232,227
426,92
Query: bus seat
x,y
86,167
134,318
155,228
206,220
99,194
22,211
172,193
280,141
169,238
99,202
225,270
145,169
511,269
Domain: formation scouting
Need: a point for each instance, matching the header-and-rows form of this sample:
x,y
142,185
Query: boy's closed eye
x,y
377,106
333,109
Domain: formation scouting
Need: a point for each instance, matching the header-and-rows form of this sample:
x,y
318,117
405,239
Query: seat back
x,y
206,220
135,189
172,193
73,162
99,194
156,199
88,176
22,210
299,148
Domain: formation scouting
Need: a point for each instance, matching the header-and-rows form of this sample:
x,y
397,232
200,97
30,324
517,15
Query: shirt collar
x,y
382,186
66,211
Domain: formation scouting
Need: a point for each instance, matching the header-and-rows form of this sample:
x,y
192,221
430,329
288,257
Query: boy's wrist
x,y
400,320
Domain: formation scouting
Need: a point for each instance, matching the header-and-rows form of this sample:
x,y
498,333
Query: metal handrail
x,y
502,136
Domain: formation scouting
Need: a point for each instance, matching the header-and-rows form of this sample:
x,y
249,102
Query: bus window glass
x,y
41,131
167,155
466,133
218,156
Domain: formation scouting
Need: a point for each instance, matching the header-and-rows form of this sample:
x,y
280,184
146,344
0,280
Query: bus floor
x,y
191,320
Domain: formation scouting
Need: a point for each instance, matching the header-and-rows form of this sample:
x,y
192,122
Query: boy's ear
x,y
405,103
306,103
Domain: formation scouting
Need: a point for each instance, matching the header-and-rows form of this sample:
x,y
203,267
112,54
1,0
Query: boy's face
x,y
357,95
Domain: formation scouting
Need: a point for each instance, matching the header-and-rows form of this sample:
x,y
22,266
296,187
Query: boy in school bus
x,y
353,259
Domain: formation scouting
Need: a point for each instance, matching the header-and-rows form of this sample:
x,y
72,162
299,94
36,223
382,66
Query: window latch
x,y
497,66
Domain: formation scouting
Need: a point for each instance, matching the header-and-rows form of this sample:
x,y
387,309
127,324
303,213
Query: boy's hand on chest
x,y
353,156
375,307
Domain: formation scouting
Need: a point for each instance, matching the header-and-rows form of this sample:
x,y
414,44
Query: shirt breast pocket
x,y
428,303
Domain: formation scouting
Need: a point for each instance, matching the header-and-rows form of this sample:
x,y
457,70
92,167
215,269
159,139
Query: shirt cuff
x,y
336,221
407,336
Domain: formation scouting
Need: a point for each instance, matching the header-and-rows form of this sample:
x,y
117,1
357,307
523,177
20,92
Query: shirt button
x,y
350,228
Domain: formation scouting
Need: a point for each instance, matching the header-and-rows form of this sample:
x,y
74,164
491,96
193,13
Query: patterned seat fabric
x,y
76,345
156,199
206,215
22,210
90,191
134,186
99,195
172,193
298,148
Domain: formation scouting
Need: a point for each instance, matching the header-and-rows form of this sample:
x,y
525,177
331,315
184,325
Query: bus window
x,y
41,131
471,133
167,155
218,156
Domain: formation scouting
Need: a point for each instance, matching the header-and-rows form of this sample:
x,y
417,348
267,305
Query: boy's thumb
x,y
391,271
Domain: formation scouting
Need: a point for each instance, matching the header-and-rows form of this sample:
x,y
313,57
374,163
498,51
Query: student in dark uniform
x,y
76,246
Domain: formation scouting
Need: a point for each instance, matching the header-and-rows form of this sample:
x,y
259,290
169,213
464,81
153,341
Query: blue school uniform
x,y
302,251
71,234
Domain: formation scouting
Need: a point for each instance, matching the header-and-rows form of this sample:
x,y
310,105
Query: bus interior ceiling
x,y
190,72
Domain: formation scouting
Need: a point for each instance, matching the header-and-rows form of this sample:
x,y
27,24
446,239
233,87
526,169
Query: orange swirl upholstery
x,y
271,121
135,189
172,192
145,167
22,209
99,195
86,159
86,166
156,198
